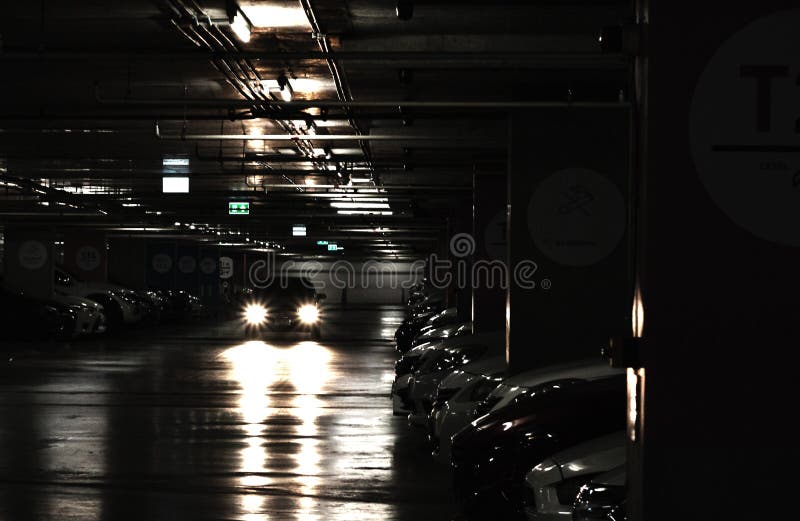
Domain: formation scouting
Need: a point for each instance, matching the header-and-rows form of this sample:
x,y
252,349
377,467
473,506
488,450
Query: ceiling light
x,y
175,185
363,212
298,85
357,206
275,16
310,181
286,90
360,179
241,27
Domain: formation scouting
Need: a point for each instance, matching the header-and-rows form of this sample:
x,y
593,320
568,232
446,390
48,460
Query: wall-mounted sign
x,y
32,255
225,267
87,258
332,246
162,263
238,208
744,127
322,243
208,265
187,264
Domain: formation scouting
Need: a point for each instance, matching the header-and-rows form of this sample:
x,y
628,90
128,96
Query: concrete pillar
x,y
489,231
569,278
719,278
127,262
28,262
461,246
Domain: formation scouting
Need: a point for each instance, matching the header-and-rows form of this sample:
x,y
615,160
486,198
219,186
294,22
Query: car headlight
x,y
308,313
255,314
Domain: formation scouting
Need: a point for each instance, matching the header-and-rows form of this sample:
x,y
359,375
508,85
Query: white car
x,y
552,485
481,397
456,398
121,304
603,498
89,315
435,364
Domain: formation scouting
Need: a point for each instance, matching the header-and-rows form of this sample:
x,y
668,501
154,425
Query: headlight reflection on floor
x,y
259,367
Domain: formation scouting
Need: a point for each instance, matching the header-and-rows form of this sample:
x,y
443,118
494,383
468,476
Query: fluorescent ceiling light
x,y
357,206
175,185
360,179
175,161
274,16
363,212
298,85
299,230
241,27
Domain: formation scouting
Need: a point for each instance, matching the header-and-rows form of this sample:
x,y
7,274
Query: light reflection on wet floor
x,y
273,429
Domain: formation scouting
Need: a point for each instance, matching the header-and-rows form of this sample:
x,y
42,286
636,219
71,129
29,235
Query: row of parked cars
x,y
545,444
80,309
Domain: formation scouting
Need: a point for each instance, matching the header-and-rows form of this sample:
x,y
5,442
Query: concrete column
x,y
489,231
569,281
719,279
127,262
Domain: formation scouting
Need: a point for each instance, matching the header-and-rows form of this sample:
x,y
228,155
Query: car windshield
x,y
289,289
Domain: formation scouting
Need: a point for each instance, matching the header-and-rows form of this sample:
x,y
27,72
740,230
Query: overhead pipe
x,y
177,102
427,56
311,137
339,79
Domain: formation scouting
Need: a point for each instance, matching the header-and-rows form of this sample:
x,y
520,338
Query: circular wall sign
x,y
32,255
208,265
187,264
576,217
87,258
162,263
225,267
744,127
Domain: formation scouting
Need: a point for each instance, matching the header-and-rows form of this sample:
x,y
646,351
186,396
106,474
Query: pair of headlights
x,y
256,314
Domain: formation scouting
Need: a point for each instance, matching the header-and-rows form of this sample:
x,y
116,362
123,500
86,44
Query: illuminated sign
x,y
238,208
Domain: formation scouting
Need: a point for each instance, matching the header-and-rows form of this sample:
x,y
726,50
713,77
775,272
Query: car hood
x,y
69,300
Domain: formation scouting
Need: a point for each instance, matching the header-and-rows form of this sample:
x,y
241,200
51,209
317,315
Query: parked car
x,y
456,398
482,397
403,369
603,498
437,363
490,457
90,316
511,388
290,303
25,318
443,332
416,323
411,361
553,485
120,304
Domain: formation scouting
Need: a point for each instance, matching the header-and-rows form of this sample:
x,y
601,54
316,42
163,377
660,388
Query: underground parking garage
x,y
409,260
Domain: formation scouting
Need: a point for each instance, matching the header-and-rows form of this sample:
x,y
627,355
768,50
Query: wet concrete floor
x,y
195,422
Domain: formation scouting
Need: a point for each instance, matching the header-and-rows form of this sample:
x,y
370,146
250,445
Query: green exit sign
x,y
322,243
238,208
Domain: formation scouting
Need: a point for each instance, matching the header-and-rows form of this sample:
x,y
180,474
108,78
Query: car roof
x,y
581,369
